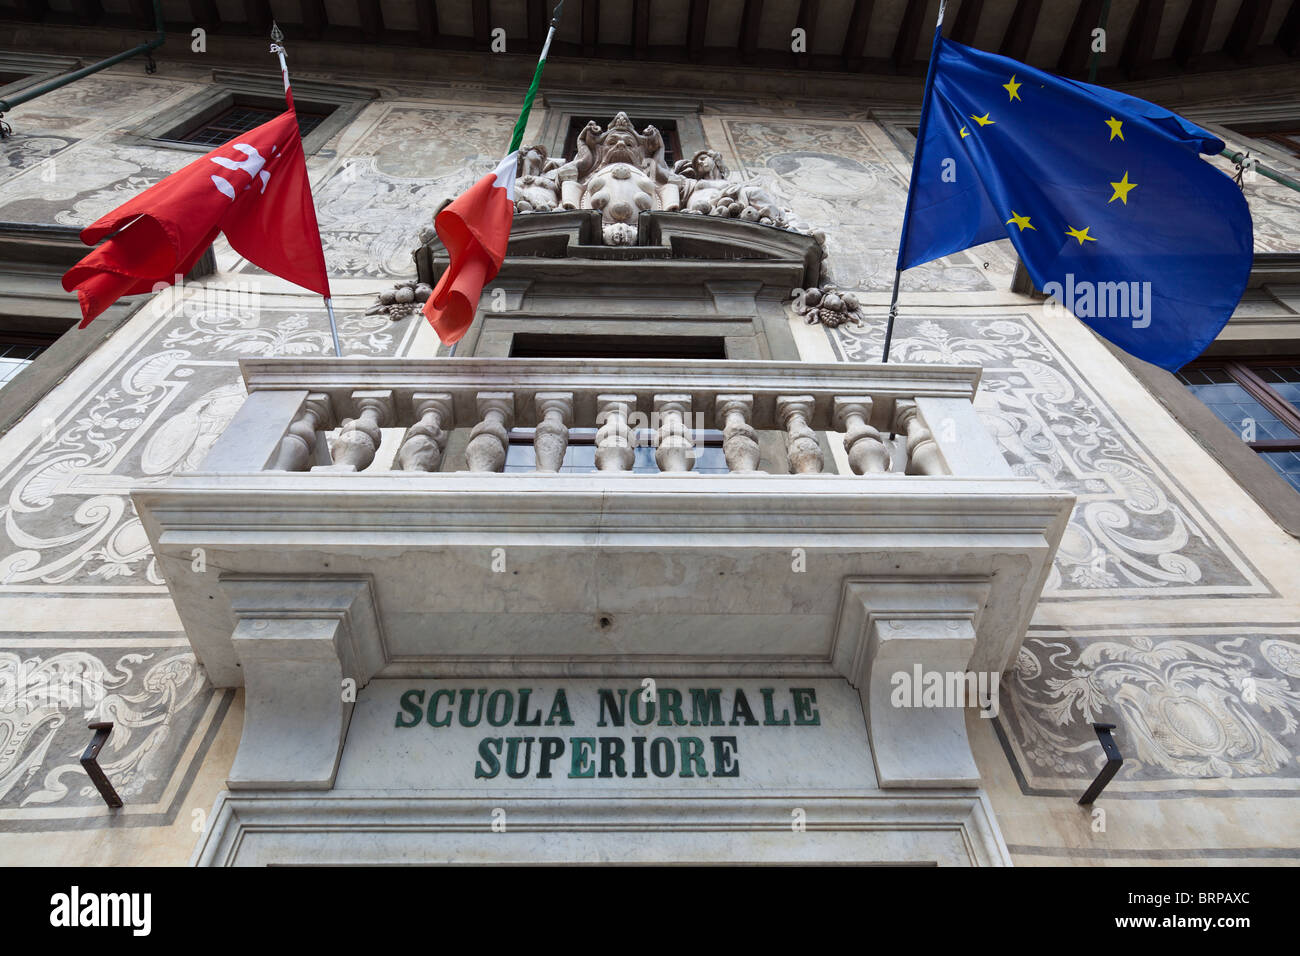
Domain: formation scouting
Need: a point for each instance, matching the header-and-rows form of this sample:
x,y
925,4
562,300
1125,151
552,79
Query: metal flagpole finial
x,y
277,35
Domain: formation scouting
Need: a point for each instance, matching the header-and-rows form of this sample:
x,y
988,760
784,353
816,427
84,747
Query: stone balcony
x,y
864,522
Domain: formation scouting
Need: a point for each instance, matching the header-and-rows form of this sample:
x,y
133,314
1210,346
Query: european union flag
x,y
1104,196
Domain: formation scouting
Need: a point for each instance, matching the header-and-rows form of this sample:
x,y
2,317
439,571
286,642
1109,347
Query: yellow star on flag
x,y
1122,189
1021,221
1013,88
1116,128
1081,235
964,134
982,120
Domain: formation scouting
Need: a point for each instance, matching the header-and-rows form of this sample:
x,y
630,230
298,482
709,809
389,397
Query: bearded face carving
x,y
621,173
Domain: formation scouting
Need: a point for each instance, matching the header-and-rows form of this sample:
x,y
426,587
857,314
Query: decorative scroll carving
x,y
827,305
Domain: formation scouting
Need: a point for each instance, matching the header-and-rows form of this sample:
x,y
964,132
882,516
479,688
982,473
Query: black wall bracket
x,y
90,763
1114,760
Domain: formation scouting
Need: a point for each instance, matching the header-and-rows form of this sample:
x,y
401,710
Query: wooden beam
x,y
590,26
426,20
371,18
537,24
1247,28
482,24
909,34
32,9
1020,30
640,26
749,20
967,21
1288,34
807,18
1140,44
87,11
314,18
697,22
855,37
1073,60
257,13
142,10
1194,32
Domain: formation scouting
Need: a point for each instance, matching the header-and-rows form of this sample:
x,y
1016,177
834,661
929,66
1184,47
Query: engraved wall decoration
x,y
406,159
1134,530
68,522
838,178
149,685
1204,707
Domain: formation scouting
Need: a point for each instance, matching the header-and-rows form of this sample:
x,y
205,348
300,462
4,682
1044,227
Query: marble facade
x,y
1170,605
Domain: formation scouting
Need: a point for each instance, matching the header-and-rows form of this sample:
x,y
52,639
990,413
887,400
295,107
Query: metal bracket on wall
x,y
90,763
1114,760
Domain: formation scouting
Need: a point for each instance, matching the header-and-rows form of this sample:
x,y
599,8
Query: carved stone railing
x,y
916,420
401,551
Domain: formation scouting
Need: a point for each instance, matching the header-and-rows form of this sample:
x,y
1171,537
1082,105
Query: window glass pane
x,y
1286,464
1233,404
240,119
15,358
1283,379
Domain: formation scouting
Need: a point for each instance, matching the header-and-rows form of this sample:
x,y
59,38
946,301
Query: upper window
x,y
1260,400
667,129
1285,136
228,124
8,76
19,350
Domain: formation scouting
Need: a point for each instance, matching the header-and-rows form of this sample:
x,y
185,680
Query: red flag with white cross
x,y
254,189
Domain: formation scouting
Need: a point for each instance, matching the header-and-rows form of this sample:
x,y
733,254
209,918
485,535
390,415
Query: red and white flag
x,y
475,228
254,189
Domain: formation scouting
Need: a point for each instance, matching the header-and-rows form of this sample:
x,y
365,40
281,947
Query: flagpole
x,y
916,166
277,47
517,137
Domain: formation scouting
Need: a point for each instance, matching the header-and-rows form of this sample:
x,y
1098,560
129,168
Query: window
x,y
231,122
1260,400
580,456
1284,135
667,129
8,76
19,350
542,345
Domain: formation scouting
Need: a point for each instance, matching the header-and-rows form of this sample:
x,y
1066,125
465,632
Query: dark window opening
x,y
667,129
7,77
237,119
580,456
1259,399
540,345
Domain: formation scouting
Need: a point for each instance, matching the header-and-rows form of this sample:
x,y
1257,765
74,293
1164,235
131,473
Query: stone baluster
x,y
867,453
614,451
739,440
490,438
675,451
803,450
425,441
551,437
298,443
923,455
360,437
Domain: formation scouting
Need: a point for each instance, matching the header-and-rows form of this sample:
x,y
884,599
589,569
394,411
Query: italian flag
x,y
475,228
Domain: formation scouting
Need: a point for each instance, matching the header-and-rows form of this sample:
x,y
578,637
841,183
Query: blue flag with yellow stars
x,y
1104,196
